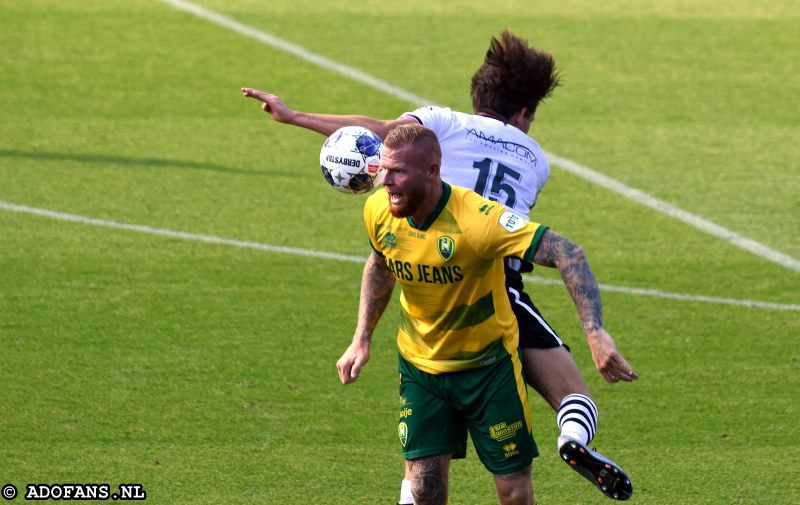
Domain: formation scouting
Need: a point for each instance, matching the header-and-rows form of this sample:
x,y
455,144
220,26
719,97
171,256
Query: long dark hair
x,y
513,75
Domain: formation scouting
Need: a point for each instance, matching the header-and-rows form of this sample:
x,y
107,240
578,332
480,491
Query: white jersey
x,y
495,159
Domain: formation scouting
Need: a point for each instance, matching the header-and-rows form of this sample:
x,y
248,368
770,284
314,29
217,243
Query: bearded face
x,y
408,179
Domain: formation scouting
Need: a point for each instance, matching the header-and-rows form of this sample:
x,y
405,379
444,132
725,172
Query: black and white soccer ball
x,y
351,160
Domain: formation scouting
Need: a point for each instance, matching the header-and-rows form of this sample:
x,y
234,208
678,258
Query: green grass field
x,y
205,371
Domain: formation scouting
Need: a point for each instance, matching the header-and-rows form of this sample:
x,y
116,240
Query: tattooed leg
x,y
429,480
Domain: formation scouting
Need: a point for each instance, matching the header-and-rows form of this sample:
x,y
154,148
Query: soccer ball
x,y
350,160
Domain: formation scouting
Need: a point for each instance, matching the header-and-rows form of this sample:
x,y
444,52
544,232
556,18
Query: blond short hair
x,y
414,134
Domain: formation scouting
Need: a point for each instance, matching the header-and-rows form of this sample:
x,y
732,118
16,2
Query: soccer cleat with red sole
x,y
597,469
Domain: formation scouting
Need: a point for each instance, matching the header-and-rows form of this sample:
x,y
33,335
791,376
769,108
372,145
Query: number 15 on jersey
x,y
495,180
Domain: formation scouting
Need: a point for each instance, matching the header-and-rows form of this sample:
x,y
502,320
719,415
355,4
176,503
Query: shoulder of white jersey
x,y
421,113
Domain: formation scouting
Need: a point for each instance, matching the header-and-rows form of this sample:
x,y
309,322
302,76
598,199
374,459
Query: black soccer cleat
x,y
596,468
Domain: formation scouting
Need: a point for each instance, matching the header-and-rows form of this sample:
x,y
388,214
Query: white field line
x,y
674,296
573,167
677,213
296,251
295,50
61,216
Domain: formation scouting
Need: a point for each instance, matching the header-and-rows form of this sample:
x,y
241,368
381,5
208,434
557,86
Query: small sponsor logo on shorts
x,y
489,361
504,431
406,412
402,431
511,449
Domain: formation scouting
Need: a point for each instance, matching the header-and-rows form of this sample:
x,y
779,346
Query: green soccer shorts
x,y
489,403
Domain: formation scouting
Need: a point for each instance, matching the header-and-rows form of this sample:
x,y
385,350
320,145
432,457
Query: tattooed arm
x,y
558,252
377,283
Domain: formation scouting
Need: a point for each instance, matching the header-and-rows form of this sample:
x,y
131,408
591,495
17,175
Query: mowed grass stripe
x,y
567,164
211,239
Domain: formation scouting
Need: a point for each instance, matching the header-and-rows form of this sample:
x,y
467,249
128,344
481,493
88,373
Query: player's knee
x,y
517,495
515,488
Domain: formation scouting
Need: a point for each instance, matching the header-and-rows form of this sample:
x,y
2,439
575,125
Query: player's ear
x,y
522,119
525,113
433,171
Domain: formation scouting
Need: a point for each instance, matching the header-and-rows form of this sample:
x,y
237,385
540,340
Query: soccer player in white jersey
x,y
490,152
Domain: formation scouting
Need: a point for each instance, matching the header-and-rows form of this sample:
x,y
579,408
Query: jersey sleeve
x,y
506,233
432,116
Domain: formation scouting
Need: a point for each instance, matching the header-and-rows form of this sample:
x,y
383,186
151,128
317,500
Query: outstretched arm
x,y
320,123
377,283
558,252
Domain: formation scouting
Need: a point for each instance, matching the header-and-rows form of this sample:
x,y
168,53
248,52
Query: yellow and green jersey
x,y
455,313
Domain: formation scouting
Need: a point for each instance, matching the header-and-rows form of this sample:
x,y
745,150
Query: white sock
x,y
577,419
405,493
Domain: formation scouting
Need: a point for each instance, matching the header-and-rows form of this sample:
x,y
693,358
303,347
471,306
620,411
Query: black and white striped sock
x,y
577,418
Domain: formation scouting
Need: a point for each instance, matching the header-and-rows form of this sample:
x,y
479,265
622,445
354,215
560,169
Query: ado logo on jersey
x,y
446,247
511,222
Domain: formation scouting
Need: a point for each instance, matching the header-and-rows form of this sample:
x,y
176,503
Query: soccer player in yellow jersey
x,y
490,151
458,339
